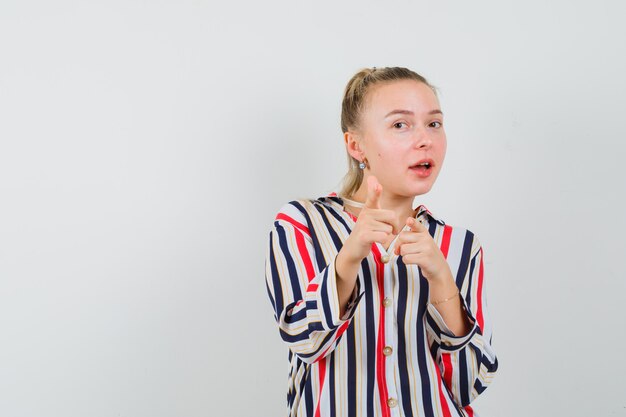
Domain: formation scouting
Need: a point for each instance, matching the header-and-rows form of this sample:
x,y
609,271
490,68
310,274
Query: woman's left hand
x,y
419,248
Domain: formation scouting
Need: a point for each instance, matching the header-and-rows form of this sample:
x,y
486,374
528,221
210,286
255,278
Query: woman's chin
x,y
422,188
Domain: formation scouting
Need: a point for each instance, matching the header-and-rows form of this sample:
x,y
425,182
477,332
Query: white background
x,y
146,147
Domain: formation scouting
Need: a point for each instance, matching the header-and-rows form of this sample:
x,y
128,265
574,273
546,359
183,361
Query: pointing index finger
x,y
374,191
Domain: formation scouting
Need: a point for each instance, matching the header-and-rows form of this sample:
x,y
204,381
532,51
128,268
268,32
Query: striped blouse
x,y
391,353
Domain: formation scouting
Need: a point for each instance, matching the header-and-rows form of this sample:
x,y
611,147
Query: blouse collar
x,y
421,210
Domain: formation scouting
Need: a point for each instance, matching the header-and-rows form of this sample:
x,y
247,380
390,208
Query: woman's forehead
x,y
409,95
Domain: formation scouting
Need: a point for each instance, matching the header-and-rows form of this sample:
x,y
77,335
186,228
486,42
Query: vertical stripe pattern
x,y
391,353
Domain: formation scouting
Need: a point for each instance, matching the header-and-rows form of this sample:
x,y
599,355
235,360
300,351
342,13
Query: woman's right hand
x,y
373,224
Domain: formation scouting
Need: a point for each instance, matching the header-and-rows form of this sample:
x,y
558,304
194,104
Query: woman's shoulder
x,y
451,235
301,208
307,204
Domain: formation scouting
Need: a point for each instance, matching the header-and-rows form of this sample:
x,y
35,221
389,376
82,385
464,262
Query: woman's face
x,y
402,126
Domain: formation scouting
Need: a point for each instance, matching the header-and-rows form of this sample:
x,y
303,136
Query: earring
x,y
362,165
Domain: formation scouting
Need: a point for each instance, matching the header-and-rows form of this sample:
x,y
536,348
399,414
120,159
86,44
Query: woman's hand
x,y
373,224
417,247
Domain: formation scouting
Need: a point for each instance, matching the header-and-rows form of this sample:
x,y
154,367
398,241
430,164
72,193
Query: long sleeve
x,y
467,363
301,285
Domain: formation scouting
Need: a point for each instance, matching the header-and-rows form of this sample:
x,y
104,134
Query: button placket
x,y
390,332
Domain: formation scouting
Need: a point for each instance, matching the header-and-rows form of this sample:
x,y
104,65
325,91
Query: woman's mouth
x,y
423,168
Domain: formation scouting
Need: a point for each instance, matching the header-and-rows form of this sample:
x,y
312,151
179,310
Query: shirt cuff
x,y
446,338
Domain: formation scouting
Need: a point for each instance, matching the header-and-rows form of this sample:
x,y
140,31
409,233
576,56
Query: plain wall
x,y
146,147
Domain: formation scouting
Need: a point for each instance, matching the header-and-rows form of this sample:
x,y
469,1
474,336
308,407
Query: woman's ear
x,y
353,145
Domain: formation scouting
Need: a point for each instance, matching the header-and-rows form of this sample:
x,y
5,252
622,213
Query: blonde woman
x,y
380,302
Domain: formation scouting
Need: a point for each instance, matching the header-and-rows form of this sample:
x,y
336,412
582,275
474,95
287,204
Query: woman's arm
x,y
444,296
303,292
466,359
458,328
346,268
313,298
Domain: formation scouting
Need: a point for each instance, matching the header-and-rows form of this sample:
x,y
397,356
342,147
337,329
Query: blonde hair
x,y
354,99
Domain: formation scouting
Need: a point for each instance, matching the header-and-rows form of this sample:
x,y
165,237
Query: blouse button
x,y
387,302
387,350
392,402
384,258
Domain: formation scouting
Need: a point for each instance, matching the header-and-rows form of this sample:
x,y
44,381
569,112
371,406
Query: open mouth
x,y
423,167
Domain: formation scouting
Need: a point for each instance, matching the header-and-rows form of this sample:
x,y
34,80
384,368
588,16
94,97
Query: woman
x,y
382,304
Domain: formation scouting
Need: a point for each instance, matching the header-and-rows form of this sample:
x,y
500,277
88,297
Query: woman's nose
x,y
422,139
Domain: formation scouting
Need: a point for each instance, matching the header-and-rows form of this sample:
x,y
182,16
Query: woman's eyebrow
x,y
409,112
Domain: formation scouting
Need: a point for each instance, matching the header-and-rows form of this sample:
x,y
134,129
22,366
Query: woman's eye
x,y
399,125
436,124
